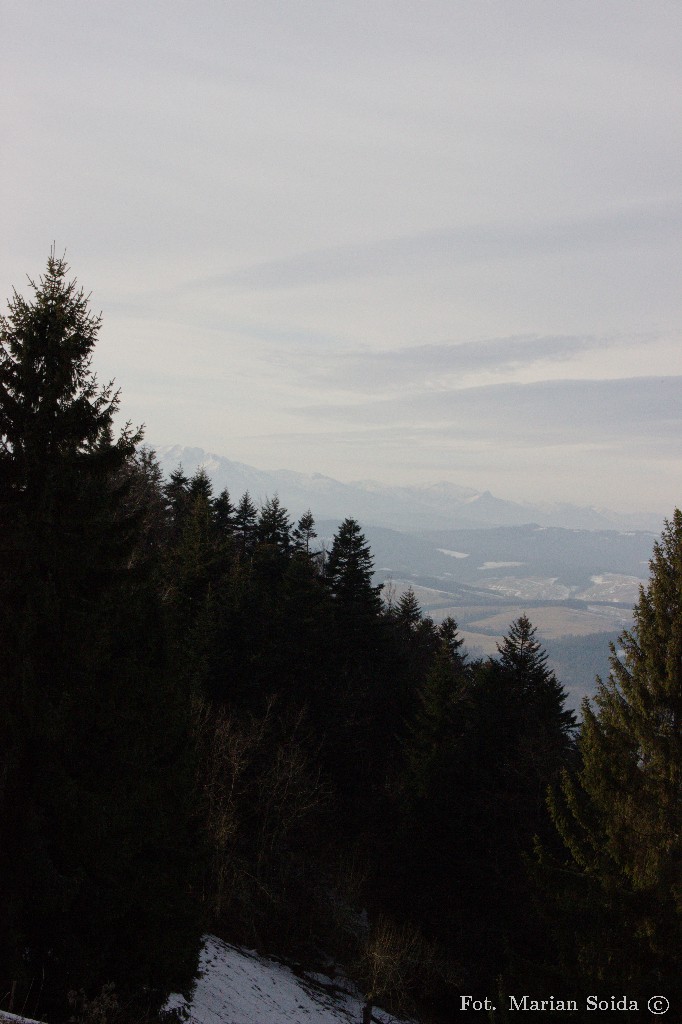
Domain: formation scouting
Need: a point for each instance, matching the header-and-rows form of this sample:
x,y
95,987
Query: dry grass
x,y
551,622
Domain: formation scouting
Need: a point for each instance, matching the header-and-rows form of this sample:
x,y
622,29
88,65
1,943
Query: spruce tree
x,y
304,533
224,513
349,570
547,727
95,813
417,644
407,613
245,519
362,706
178,503
200,486
437,724
448,631
274,526
621,818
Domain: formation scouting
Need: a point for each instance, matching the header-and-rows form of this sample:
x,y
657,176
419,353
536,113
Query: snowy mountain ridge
x,y
441,505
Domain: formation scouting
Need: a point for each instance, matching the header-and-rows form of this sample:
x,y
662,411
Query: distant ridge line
x,y
441,505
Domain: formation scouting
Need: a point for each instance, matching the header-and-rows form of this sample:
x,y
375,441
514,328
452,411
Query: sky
x,y
398,240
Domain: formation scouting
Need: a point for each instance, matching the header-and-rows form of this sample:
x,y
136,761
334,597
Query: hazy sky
x,y
409,240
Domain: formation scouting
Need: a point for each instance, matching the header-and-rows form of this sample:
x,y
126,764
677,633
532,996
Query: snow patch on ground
x,y
532,588
499,565
12,1018
612,586
238,986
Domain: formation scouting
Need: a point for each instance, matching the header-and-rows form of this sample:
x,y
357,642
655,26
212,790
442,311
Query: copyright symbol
x,y
659,1004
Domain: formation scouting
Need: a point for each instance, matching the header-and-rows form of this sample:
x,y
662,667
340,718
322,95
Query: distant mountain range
x,y
438,506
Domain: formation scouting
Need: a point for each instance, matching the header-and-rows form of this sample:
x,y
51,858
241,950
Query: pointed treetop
x,y
177,492
245,517
200,485
224,512
407,613
519,651
274,525
449,634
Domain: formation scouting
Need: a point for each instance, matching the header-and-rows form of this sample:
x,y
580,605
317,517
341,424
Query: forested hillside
x,y
208,721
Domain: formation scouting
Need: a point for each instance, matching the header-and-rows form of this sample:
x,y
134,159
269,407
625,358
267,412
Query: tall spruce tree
x,y
245,522
362,705
407,614
274,527
546,728
95,851
349,570
621,818
438,723
178,497
223,513
448,632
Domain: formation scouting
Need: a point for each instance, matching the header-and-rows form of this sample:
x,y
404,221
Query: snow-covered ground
x,y
612,586
12,1018
530,588
238,986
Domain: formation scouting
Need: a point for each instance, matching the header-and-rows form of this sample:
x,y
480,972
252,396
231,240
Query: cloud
x,y
387,370
558,412
628,227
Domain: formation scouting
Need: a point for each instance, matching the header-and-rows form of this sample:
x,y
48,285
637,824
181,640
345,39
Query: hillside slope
x,y
237,986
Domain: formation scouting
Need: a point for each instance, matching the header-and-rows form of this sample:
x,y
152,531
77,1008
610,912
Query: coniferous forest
x,y
210,723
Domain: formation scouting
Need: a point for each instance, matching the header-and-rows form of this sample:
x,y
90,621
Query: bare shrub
x,y
261,795
397,965
106,1008
101,1009
343,924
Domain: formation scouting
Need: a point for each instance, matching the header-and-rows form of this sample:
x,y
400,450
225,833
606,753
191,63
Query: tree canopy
x,y
621,816
95,797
